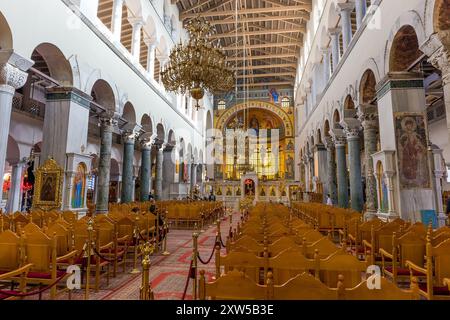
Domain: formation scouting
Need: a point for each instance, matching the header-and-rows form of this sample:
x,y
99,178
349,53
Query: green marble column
x,y
354,159
106,128
146,169
369,119
331,161
159,172
127,168
341,171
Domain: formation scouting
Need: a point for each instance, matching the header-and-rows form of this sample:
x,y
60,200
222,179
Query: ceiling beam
x,y
256,33
267,66
261,46
267,75
299,15
304,7
263,57
263,84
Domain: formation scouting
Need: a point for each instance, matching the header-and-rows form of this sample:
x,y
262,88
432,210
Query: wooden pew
x,y
12,276
437,268
387,291
233,285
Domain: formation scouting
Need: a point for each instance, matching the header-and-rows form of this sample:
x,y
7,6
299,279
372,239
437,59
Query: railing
x,y
33,107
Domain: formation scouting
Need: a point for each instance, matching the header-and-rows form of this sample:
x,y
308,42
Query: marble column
x,y
322,169
345,10
151,55
16,184
360,12
168,171
331,170
129,138
137,25
354,159
341,170
159,172
116,20
193,175
326,65
335,46
11,78
369,119
437,48
106,129
146,169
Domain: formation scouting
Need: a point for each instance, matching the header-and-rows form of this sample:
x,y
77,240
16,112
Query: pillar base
x,y
370,215
442,219
386,217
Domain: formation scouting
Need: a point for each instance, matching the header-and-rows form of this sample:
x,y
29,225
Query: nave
x,y
265,252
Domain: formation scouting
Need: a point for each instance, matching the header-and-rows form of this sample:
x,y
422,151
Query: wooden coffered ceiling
x,y
262,38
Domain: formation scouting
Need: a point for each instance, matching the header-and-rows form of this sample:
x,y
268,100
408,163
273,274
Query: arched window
x,y
221,105
285,102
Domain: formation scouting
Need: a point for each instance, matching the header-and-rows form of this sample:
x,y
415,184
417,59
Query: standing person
x,y
329,201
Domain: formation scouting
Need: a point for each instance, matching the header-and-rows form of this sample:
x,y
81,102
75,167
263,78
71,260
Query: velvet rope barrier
x,y
216,242
221,243
106,259
32,293
191,275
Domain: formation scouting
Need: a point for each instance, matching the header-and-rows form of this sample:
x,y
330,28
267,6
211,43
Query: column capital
x,y
345,7
325,50
368,116
136,22
352,128
129,136
109,119
339,137
150,42
329,143
12,77
334,31
439,56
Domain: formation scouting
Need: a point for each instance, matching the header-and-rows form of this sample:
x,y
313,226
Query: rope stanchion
x,y
194,264
146,290
32,293
190,276
166,231
212,253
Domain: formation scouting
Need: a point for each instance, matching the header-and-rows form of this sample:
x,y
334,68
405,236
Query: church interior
x,y
225,150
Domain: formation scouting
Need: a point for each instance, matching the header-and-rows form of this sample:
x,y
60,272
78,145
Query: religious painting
x,y
290,146
272,192
113,191
289,167
254,124
229,193
78,187
249,185
49,178
238,191
177,167
219,191
262,193
412,151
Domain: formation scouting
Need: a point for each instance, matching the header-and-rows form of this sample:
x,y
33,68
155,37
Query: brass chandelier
x,y
197,66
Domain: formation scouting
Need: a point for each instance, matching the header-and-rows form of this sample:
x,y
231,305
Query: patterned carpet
x,y
168,274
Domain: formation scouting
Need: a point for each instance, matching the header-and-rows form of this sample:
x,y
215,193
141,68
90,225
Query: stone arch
x,y
409,19
12,151
146,123
103,94
336,119
367,91
349,104
161,132
441,14
6,39
50,60
404,49
171,138
129,113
